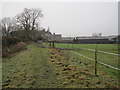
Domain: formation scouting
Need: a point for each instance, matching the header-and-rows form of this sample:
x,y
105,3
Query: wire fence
x,y
94,61
102,51
95,51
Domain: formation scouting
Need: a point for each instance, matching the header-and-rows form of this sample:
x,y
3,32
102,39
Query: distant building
x,y
91,40
85,39
55,37
67,39
49,37
114,38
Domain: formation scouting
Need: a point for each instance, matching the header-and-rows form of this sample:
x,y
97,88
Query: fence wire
x,y
98,61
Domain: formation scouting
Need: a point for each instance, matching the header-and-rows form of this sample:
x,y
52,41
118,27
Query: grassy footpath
x,y
29,69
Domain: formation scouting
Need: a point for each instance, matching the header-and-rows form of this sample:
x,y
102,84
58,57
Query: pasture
x,y
88,50
104,47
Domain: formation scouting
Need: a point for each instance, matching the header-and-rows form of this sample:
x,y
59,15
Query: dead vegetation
x,y
11,50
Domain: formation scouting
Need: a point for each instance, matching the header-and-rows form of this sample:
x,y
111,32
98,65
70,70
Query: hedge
x,y
7,41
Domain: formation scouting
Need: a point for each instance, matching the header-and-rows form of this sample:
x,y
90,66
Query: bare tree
x,y
7,25
29,18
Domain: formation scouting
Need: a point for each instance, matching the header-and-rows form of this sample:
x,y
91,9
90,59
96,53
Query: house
x,y
67,39
55,37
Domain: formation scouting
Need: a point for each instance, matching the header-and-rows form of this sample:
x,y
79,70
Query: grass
x,y
109,71
40,67
79,73
105,58
29,68
105,47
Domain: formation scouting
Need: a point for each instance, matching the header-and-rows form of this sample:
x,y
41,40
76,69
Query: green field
x,y
104,47
102,57
106,58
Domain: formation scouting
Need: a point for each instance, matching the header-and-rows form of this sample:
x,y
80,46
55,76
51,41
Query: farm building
x,y
88,40
91,40
84,39
114,38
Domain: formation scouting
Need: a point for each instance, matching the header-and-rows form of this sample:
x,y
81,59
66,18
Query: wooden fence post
x,y
68,51
50,43
96,60
53,44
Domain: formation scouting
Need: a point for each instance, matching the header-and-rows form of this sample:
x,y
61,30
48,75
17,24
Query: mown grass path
x,y
29,69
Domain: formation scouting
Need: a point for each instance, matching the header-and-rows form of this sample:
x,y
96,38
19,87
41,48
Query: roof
x,y
57,35
91,37
112,36
67,38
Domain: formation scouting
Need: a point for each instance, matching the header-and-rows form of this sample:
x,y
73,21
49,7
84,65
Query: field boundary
x,y
91,58
98,61
102,51
89,50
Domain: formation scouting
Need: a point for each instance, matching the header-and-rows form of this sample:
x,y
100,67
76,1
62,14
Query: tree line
x,y
25,26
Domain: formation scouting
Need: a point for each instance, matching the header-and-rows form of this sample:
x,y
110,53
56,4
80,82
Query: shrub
x,y
8,51
7,41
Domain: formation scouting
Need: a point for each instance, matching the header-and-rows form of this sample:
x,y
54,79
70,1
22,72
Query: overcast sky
x,y
72,18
